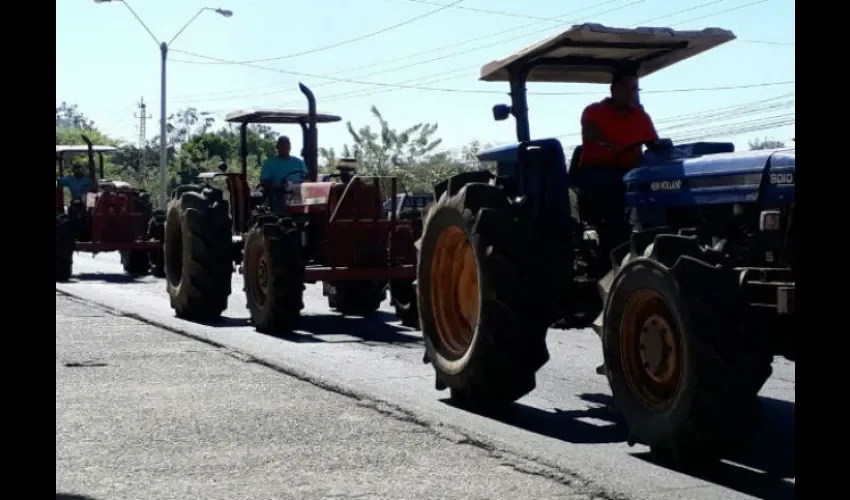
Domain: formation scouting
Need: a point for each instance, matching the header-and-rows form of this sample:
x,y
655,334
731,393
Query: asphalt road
x,y
562,427
143,413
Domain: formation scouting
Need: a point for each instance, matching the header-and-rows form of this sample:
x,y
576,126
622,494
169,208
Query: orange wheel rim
x,y
651,350
259,278
454,291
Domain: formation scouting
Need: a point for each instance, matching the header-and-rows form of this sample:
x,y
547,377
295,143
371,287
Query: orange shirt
x,y
621,130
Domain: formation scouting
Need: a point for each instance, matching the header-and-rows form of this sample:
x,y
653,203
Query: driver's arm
x,y
651,135
591,132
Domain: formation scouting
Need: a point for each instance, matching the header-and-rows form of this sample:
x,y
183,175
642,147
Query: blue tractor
x,y
691,305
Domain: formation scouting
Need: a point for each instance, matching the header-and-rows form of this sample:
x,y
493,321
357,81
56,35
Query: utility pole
x,y
143,116
163,51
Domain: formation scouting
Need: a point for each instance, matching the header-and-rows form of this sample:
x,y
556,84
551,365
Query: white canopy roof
x,y
589,53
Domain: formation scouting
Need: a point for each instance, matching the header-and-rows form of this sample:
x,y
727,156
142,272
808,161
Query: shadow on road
x,y
761,468
594,425
226,322
106,278
71,496
374,328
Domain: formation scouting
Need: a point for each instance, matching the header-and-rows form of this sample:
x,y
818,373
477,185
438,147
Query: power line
x,y
486,11
698,119
456,44
414,87
357,38
333,79
688,9
739,7
710,122
742,128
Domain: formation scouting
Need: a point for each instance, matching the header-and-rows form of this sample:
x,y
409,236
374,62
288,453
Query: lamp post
x,y
163,50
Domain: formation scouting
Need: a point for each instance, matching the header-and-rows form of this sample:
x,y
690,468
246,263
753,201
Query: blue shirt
x,y
276,170
78,186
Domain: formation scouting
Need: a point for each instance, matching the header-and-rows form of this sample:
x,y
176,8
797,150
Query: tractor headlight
x,y
769,220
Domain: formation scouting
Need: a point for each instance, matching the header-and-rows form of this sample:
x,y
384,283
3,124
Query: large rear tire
x,y
684,365
64,248
484,329
273,271
198,260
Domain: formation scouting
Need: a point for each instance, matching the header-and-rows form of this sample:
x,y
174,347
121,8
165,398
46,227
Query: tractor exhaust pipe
x,y
92,176
311,139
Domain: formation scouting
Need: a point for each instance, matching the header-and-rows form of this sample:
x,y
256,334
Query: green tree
x,y
70,116
410,154
388,151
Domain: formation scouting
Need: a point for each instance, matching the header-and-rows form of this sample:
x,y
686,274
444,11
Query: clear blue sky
x,y
105,62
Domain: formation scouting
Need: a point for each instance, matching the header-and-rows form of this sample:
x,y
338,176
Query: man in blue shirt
x,y
78,184
278,171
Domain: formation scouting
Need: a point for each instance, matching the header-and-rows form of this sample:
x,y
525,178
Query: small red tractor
x,y
334,231
112,216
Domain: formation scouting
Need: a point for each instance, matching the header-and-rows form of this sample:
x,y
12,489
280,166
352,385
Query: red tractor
x,y
112,216
334,231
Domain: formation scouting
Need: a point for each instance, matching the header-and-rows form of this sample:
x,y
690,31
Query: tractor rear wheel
x,y
156,231
483,325
684,365
197,253
135,262
273,272
356,298
64,248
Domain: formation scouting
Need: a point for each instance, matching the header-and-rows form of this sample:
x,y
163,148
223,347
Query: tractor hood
x,y
764,175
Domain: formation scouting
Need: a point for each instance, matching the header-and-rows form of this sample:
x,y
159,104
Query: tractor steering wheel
x,y
660,147
300,174
655,146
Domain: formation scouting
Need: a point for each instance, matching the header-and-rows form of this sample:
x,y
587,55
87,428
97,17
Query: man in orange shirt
x,y
612,131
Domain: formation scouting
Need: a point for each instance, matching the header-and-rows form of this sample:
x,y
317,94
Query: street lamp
x,y
163,50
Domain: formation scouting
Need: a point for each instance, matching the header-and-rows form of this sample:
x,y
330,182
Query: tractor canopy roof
x,y
83,149
590,53
283,116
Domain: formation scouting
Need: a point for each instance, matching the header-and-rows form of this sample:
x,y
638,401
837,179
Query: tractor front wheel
x,y
274,275
684,366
